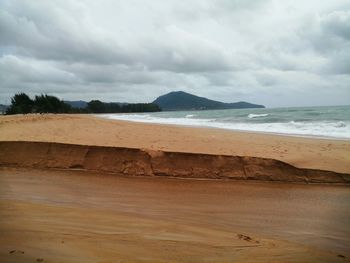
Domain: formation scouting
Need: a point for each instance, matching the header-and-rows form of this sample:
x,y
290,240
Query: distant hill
x,y
179,100
77,103
80,104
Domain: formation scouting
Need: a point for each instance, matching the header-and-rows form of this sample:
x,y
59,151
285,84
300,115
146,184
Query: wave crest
x,y
252,115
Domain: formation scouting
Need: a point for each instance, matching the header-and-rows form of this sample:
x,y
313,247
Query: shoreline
x,y
196,119
317,137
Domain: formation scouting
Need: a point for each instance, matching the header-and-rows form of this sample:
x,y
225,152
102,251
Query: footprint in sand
x,y
247,238
16,251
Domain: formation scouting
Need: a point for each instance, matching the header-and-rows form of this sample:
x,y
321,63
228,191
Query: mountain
x,y
179,100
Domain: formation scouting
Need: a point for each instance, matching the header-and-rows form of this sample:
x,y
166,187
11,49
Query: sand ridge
x,y
143,162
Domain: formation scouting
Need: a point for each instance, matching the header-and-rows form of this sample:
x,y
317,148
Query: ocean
x,y
321,122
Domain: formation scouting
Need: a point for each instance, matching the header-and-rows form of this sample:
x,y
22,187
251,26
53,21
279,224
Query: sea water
x,y
326,122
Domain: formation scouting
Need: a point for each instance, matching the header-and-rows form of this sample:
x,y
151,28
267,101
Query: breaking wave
x,y
251,116
331,123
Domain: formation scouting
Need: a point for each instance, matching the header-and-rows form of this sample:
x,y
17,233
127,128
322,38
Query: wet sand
x,y
72,216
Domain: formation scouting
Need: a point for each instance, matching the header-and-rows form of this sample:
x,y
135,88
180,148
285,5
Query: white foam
x,y
328,129
251,116
340,124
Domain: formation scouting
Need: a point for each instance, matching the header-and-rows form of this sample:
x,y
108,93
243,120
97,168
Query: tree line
x,y
21,103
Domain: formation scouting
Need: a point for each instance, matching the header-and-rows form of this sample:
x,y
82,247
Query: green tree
x,y
96,106
20,104
50,104
140,107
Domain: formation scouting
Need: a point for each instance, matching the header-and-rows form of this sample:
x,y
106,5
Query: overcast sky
x,y
276,53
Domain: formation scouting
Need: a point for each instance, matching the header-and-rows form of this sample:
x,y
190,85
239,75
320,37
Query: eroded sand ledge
x,y
132,161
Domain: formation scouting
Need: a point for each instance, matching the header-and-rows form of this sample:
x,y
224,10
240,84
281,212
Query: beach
x,y
174,132
324,154
65,197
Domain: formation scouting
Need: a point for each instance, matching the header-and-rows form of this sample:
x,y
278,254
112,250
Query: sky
x,y
271,52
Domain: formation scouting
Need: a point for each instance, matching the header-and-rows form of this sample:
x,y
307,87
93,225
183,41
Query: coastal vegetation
x,y
21,103
97,106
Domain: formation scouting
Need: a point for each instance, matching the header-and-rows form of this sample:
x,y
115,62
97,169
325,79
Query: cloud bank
x,y
277,53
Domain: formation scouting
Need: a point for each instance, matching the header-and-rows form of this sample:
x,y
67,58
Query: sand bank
x,y
321,154
71,216
136,162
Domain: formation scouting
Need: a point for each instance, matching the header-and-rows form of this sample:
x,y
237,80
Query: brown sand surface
x,y
325,154
72,216
143,162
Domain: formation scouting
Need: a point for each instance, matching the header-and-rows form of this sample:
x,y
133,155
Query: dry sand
x,y
70,216
325,154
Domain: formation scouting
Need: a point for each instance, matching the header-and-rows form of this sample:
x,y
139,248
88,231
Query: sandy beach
x,y
324,154
65,215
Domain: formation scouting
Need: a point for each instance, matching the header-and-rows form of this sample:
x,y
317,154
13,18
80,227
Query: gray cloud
x,y
337,23
271,52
